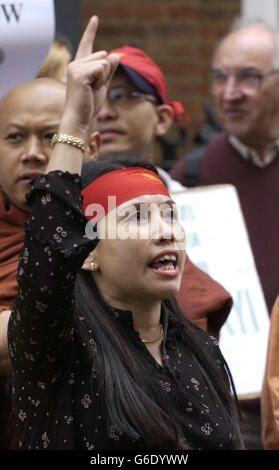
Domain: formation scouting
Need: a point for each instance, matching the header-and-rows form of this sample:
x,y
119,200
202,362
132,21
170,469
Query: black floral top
x,y
56,399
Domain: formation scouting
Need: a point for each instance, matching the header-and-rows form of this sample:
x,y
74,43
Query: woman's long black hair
x,y
131,400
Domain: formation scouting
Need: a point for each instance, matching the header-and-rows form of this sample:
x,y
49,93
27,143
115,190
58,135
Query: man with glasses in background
x,y
244,83
136,111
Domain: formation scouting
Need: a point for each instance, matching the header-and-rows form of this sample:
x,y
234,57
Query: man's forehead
x,y
253,45
32,101
41,87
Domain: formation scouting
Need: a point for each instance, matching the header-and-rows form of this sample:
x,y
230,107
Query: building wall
x,y
68,20
179,34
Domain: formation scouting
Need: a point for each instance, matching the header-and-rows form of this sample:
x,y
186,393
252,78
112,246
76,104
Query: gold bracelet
x,y
68,139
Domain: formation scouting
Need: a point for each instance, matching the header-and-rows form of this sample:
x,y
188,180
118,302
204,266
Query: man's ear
x,y
90,263
165,119
94,143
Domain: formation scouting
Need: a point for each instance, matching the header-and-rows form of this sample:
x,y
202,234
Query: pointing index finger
x,y
87,41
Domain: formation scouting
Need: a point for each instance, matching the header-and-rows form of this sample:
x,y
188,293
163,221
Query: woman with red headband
x,y
102,357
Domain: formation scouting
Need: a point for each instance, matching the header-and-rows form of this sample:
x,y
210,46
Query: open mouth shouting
x,y
165,264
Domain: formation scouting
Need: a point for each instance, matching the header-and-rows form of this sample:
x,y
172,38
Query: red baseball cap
x,y
147,77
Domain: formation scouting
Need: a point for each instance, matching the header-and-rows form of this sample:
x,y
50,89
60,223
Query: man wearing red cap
x,y
140,88
147,77
136,111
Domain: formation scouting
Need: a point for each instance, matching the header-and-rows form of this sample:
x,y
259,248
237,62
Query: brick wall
x,y
179,35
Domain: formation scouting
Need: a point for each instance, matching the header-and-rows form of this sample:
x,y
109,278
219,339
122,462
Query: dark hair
x,y
131,400
96,168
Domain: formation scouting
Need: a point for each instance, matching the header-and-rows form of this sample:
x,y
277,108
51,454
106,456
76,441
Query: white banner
x,y
218,243
267,10
27,29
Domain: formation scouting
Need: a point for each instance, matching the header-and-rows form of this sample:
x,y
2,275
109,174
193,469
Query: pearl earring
x,y
93,265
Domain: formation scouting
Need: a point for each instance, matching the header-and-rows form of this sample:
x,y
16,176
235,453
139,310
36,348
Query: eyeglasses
x,y
121,96
247,80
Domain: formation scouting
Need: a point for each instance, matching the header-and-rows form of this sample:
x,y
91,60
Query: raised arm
x,y
88,79
41,325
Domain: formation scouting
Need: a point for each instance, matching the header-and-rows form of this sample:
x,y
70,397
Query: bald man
x,y
29,117
245,90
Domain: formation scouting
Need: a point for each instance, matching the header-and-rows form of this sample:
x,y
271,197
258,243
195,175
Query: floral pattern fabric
x,y
55,387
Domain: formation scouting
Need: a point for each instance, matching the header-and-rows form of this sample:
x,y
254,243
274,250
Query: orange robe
x,y
203,300
12,221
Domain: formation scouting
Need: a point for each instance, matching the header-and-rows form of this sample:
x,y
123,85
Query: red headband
x,y
142,70
122,185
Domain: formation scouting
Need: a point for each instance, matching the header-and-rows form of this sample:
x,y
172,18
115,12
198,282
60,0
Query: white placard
x,y
262,10
27,29
217,242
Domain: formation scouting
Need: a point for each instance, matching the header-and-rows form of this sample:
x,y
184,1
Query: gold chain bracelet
x,y
68,139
